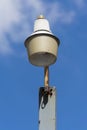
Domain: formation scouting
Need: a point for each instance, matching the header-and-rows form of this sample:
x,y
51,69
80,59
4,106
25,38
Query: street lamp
x,y
42,49
42,45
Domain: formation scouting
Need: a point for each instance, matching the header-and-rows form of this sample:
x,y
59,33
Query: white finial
x,y
40,17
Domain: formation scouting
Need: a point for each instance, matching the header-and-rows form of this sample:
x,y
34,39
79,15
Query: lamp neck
x,y
46,76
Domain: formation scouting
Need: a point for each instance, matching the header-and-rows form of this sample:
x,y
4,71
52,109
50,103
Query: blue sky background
x,y
20,81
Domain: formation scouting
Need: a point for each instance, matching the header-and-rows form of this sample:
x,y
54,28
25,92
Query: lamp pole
x,y
42,48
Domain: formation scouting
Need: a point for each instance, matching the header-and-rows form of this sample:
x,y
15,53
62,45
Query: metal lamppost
x,y
42,48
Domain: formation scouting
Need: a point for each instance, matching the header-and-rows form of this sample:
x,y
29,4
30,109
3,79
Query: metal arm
x,y
46,76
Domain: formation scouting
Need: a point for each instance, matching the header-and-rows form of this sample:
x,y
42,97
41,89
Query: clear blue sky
x,y
20,81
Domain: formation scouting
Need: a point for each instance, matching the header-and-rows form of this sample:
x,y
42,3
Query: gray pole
x,y
47,109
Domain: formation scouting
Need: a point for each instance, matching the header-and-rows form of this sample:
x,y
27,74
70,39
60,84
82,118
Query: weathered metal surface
x,y
47,109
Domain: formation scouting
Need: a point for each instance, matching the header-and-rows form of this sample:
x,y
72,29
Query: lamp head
x,y
42,45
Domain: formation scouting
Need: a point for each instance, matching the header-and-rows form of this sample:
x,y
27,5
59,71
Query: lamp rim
x,y
41,34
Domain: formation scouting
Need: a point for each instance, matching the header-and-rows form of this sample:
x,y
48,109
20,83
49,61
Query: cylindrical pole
x,y
46,76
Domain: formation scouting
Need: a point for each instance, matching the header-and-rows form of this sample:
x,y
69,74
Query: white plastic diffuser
x,y
42,45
